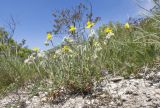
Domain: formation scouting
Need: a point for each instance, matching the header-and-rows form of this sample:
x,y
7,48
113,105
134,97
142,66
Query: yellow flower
x,y
90,24
49,36
66,48
126,26
36,49
108,30
72,29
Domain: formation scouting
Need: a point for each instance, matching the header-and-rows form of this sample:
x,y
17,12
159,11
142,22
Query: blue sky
x,y
34,17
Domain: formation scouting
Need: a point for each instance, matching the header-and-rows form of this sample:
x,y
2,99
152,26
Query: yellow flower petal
x,y
72,28
126,26
66,48
49,36
90,24
36,49
108,30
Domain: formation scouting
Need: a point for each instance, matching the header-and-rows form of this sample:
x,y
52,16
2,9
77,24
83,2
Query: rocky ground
x,y
111,92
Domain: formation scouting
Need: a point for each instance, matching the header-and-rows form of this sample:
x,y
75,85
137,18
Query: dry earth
x,y
111,92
